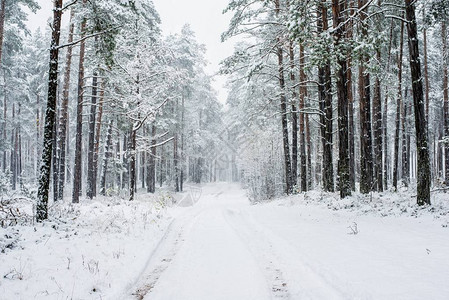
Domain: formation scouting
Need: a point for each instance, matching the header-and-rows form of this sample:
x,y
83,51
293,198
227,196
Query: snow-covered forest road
x,y
224,248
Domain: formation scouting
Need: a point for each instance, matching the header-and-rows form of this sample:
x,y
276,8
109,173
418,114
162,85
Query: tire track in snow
x,y
310,283
262,250
152,278
163,255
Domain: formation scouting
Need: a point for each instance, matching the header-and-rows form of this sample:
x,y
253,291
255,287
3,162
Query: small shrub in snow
x,y
354,229
13,211
14,274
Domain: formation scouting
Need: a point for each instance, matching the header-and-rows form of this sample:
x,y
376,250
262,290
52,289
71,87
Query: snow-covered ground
x,y
301,247
93,250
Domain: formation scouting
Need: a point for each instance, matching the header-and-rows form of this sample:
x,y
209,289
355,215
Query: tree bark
x,y
366,142
423,176
5,117
132,163
302,128
181,180
125,162
12,159
63,118
405,147
151,171
2,31
143,163
98,131
445,100
325,98
294,118
385,115
351,127
342,94
44,179
398,111
118,175
107,156
349,35
286,145
19,151
77,169
91,182
426,72
427,86
309,154
175,163
2,27
377,128
55,163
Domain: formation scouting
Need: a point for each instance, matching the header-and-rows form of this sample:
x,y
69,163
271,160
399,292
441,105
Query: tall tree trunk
x,y
426,72
366,143
55,158
325,96
294,118
351,127
63,118
349,36
151,171
378,145
2,30
91,184
44,179
161,169
77,169
2,27
38,138
125,166
405,138
342,94
98,131
423,176
398,111
132,163
427,86
309,153
143,163
181,181
302,129
107,156
286,145
406,174
446,100
12,160
175,162
385,114
118,175
5,108
175,146
440,148
19,151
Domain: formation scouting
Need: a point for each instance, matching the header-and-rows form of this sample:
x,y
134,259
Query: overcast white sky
x,y
204,16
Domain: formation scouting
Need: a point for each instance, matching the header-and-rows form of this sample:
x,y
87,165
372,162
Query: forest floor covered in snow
x,y
213,244
93,250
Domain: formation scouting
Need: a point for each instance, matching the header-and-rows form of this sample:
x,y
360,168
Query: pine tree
x,y
44,179
63,119
342,94
77,169
423,176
